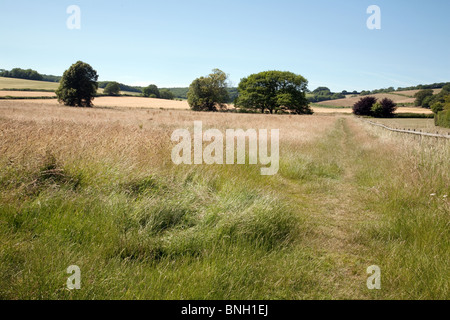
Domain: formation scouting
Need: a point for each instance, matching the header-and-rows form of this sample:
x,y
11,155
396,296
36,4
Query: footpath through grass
x,y
353,198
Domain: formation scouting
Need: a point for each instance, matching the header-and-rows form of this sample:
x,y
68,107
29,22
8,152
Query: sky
x,y
171,42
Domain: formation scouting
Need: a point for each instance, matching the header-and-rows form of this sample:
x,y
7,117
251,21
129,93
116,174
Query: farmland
x,y
349,101
405,98
97,188
11,83
34,86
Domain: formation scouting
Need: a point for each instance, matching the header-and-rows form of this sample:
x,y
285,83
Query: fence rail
x,y
427,134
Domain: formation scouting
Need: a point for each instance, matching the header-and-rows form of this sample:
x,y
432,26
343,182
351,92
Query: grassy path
x,y
335,213
356,200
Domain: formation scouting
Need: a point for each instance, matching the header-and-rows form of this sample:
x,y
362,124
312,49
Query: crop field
x,y
149,103
11,83
22,84
350,101
26,94
411,93
97,188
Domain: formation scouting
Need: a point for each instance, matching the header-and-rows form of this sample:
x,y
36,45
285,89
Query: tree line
x,y
28,74
265,92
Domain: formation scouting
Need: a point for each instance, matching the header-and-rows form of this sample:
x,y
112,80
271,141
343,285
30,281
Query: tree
x,y
421,95
322,91
151,91
377,110
388,108
364,106
112,89
274,91
78,85
437,107
166,94
209,93
446,88
426,103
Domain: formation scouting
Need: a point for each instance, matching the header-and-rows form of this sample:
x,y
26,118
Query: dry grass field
x,y
411,93
97,188
11,83
26,94
149,103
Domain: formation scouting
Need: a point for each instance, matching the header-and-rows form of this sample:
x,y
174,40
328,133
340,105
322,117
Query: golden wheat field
x,y
26,94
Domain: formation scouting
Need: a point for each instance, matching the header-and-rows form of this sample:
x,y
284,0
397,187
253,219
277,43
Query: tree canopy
x,y
151,91
209,93
422,95
369,106
166,94
112,89
78,85
274,91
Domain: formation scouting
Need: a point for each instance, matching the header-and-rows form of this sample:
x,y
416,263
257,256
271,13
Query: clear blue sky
x,y
172,42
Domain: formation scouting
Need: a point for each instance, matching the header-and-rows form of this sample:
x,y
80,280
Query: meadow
x,y
97,188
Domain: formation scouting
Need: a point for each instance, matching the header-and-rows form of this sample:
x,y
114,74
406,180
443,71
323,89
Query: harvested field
x,y
349,101
11,83
411,93
26,94
149,103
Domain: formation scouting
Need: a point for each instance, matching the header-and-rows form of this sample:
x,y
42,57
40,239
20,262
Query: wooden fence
x,y
420,133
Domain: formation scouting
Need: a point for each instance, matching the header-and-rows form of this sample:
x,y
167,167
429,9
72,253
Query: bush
x,y
442,119
408,115
377,110
364,106
437,107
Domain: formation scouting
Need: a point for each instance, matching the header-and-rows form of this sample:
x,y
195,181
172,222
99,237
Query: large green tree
x,y
274,91
112,89
166,94
78,85
422,95
151,91
209,93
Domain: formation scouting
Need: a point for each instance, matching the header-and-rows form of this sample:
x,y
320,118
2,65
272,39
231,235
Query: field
x,y
35,86
10,83
97,188
411,93
26,94
399,97
149,103
350,101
